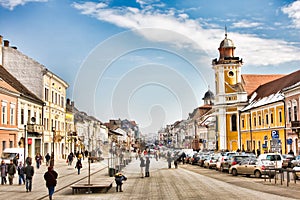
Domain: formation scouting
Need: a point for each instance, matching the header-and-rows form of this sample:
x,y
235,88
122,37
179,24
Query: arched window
x,y
233,122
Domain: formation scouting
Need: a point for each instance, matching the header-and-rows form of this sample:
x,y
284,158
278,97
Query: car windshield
x,y
8,155
273,157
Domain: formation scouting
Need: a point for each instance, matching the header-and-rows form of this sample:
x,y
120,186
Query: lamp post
x,y
25,138
52,154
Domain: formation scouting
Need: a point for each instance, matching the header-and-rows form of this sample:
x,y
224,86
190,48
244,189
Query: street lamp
x,y
25,141
52,154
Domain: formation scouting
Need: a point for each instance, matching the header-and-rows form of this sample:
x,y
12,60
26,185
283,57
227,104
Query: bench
x,y
104,184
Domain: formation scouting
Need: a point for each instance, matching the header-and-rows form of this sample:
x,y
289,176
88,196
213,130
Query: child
x,y
119,178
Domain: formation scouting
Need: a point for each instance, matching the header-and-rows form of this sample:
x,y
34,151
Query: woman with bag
x,y
78,165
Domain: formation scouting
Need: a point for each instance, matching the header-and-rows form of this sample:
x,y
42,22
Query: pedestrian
x,y
291,153
50,177
142,165
29,172
28,159
38,160
15,160
147,166
257,152
47,157
176,163
119,178
11,170
21,173
70,159
3,168
169,159
78,165
86,153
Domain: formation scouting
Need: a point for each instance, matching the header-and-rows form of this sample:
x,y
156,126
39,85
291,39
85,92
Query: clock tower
x,y
230,95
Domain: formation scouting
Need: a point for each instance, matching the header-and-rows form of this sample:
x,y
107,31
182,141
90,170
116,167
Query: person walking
x,y
3,168
38,160
47,157
11,170
142,165
21,173
78,165
51,180
147,166
70,159
119,178
29,172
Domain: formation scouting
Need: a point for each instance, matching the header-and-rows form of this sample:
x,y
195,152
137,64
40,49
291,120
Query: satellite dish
x,y
32,119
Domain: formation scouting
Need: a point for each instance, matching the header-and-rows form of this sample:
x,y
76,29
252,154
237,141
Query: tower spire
x,y
225,31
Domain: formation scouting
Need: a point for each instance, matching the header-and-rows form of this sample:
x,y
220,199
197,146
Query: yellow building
x,y
249,109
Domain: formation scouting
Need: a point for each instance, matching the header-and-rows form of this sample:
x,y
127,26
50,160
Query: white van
x,y
276,158
10,153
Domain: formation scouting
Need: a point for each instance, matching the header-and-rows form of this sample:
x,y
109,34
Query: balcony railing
x,y
295,124
35,128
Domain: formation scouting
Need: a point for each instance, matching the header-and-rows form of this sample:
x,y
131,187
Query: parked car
x,y
223,161
277,158
288,158
297,171
253,166
296,161
211,161
202,159
235,159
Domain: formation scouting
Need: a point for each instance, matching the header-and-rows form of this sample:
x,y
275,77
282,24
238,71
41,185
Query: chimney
x,y
68,101
1,39
14,47
6,43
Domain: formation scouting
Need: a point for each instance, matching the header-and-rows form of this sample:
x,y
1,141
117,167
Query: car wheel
x,y
257,174
234,172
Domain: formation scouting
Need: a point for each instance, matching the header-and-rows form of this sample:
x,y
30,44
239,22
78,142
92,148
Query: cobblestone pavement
x,y
186,182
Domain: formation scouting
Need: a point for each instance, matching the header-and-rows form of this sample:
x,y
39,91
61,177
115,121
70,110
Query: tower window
x,y
233,123
230,73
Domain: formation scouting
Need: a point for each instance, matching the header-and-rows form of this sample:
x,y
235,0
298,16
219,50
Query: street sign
x,y
275,134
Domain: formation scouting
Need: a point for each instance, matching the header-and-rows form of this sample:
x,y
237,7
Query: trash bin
x,y
112,172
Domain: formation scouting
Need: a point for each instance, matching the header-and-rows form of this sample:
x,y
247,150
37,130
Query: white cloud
x,y
293,11
255,50
11,4
246,24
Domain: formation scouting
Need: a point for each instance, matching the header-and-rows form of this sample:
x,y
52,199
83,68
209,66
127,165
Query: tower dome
x,y
227,43
208,97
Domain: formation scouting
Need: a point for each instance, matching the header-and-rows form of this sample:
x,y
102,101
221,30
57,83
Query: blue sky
x,y
149,60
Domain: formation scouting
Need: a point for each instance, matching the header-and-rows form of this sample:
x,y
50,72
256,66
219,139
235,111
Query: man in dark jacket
x,y
29,172
50,177
11,170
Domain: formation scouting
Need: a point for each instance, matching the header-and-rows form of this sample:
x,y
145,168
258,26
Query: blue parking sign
x,y
274,134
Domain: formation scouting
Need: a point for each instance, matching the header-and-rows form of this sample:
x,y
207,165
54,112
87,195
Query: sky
x,y
149,60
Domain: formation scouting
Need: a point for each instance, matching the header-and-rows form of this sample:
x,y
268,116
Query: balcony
x,y
35,129
295,125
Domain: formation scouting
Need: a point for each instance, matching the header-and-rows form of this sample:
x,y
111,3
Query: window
x,y
280,116
52,97
12,115
272,119
290,114
243,123
233,123
4,113
3,145
254,121
11,144
62,102
55,98
295,113
46,94
29,115
259,120
22,116
267,119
